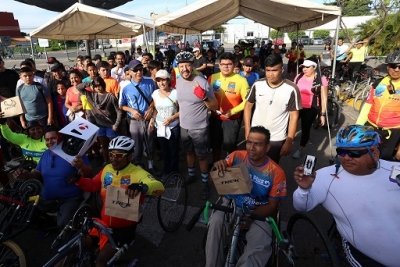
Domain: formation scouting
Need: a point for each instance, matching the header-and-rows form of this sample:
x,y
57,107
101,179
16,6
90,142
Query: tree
x,y
321,33
343,34
353,7
293,35
275,34
387,40
218,30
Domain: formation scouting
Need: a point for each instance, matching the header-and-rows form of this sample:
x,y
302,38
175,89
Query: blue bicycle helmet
x,y
357,136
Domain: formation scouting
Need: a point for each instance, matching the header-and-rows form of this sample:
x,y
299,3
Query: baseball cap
x,y
196,49
97,57
248,62
308,63
134,63
52,60
56,67
163,74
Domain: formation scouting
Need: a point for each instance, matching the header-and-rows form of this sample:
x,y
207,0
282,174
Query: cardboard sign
x,y
83,132
12,107
121,206
235,181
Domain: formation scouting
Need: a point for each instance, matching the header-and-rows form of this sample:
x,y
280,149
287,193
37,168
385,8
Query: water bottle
x,y
133,263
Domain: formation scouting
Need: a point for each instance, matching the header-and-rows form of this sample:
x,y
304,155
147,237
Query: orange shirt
x,y
112,86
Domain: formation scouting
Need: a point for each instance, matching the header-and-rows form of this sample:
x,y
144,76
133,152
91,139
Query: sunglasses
x,y
136,70
394,66
117,156
351,153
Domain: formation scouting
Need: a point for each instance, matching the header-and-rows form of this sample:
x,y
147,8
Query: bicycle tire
x,y
333,112
11,254
360,97
311,243
60,256
172,205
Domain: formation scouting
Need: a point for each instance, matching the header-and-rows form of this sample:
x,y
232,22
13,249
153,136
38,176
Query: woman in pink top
x,y
73,101
314,92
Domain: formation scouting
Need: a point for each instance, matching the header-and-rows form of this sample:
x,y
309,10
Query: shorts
x,y
196,140
291,67
107,131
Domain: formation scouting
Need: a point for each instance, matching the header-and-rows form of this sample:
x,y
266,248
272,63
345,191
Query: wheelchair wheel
x,y
311,243
11,254
172,205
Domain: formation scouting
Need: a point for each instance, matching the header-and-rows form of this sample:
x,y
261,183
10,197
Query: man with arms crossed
x,y
269,187
277,103
360,195
195,97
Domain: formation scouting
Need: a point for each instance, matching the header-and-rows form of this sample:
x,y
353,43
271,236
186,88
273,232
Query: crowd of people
x,y
141,108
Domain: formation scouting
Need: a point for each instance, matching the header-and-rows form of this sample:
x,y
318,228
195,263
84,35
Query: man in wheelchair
x,y
361,191
269,187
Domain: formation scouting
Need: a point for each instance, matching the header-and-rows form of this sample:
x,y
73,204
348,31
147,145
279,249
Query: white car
x,y
106,45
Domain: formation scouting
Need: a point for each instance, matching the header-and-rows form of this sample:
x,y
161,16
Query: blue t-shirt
x,y
56,173
252,77
132,98
34,102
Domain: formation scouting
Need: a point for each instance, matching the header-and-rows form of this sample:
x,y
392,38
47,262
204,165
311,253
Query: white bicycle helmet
x,y
184,56
122,143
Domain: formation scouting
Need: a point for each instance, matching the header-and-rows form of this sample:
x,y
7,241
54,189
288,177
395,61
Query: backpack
x,y
38,86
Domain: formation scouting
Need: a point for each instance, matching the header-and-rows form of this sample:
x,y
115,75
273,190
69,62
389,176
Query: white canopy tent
x,y
283,15
82,22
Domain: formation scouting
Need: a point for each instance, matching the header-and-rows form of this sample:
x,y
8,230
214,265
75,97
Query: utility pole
x,y
87,45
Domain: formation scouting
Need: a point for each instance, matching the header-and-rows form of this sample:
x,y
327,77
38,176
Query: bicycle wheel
x,y
345,90
360,97
311,243
333,112
172,205
62,257
11,254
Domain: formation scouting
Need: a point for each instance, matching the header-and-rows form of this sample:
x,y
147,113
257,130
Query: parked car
x,y
328,40
215,44
105,45
317,41
305,39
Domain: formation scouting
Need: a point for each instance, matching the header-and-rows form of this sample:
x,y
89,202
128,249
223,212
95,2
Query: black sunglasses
x,y
136,70
351,153
394,66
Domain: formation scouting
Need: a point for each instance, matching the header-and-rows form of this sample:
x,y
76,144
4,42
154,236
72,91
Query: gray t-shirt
x,y
34,102
193,110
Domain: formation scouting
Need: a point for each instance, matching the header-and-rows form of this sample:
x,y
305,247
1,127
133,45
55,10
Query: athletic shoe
x,y
297,154
205,192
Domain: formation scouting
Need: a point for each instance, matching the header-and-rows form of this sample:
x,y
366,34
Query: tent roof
x,y
283,15
82,22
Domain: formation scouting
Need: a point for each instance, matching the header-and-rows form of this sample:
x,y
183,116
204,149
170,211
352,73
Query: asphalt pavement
x,y
154,247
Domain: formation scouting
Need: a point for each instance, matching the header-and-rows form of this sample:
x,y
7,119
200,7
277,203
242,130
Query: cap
x,y
56,67
163,74
134,63
196,49
33,124
97,57
248,62
52,60
308,63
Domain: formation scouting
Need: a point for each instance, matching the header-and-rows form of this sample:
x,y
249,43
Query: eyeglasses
x,y
117,156
226,65
351,153
136,70
394,66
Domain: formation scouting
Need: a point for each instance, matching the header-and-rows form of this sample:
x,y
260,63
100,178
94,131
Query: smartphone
x,y
309,164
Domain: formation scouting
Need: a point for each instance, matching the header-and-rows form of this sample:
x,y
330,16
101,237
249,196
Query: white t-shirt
x,y
120,75
366,209
165,107
273,106
122,85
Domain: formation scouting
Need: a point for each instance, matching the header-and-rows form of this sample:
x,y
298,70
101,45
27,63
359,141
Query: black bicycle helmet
x,y
184,56
357,136
31,124
393,57
72,145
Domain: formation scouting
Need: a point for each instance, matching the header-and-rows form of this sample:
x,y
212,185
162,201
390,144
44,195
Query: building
x,y
8,25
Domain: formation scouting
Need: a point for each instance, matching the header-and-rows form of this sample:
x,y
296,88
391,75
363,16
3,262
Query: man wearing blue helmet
x,y
361,193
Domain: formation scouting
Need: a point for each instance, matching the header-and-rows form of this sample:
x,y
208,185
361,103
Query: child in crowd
x,y
59,104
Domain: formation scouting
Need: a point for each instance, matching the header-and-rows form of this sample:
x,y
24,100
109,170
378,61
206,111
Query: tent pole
x,y
335,51
89,53
154,38
32,52
145,38
297,48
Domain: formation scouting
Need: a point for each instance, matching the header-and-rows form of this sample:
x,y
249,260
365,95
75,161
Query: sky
x,y
32,17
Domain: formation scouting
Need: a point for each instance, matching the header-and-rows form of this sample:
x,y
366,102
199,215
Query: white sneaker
x,y
297,154
12,163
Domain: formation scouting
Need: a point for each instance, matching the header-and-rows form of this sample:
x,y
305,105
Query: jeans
x,y
170,151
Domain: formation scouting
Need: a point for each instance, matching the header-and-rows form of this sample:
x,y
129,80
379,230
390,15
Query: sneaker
x,y
12,163
205,192
297,154
190,179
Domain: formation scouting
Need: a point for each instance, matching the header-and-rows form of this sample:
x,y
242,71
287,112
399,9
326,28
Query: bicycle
x,y
233,219
361,96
